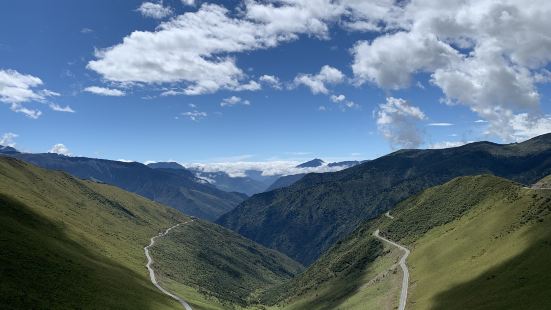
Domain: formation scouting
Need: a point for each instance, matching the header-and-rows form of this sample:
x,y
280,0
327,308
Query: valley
x,y
466,241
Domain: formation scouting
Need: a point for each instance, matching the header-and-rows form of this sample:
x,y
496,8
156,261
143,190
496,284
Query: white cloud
x,y
195,115
60,149
341,100
440,124
188,2
103,91
154,10
8,139
397,121
194,49
17,89
86,30
447,144
268,168
271,80
317,83
59,108
488,55
233,100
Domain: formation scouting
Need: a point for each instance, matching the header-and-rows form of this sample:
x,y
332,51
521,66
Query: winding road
x,y
152,272
405,280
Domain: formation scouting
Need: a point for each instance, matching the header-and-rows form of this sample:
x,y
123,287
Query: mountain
x,y
477,242
8,150
166,165
225,182
312,163
307,218
285,181
179,189
289,180
348,164
218,179
75,244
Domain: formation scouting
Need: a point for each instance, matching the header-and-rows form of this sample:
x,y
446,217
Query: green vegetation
x,y
74,244
477,243
307,218
71,244
177,188
222,268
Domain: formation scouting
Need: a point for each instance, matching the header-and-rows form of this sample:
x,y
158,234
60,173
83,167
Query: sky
x,y
275,81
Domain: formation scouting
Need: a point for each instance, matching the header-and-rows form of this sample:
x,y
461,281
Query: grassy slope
x,y
224,267
477,243
307,218
179,189
70,244
495,256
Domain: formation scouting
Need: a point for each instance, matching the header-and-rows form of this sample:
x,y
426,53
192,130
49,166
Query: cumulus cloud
x,y
104,91
342,101
60,149
271,80
154,10
16,89
188,2
8,139
397,121
233,100
194,48
195,115
317,83
488,55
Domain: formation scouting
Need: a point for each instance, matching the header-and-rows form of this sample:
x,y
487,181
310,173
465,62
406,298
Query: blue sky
x,y
385,93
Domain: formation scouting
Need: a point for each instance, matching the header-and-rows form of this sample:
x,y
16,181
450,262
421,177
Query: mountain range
x,y
308,217
179,189
475,219
69,243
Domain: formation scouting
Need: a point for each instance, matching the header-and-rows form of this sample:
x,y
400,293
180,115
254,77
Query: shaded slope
x,y
180,190
305,219
75,244
220,265
70,244
285,181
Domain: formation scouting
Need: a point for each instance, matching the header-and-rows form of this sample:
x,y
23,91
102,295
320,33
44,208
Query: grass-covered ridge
x,y
70,244
224,268
74,244
479,242
306,219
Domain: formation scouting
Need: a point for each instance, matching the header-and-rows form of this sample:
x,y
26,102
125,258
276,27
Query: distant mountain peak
x,y
166,165
312,163
8,150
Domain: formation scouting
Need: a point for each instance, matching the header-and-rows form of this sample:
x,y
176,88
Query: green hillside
x,y
219,267
479,242
307,218
73,244
70,244
489,248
